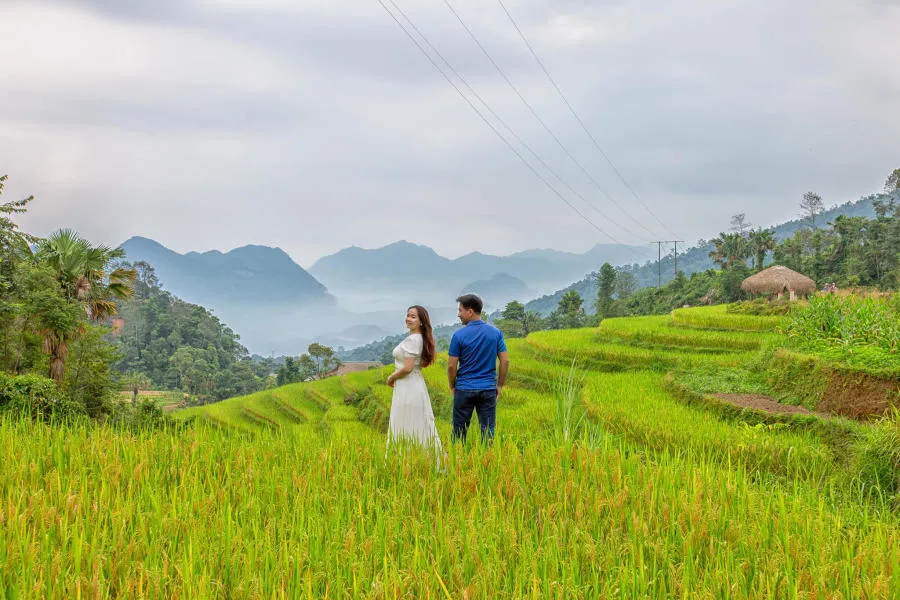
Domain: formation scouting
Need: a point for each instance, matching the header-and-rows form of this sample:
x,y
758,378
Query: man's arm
x,y
452,368
504,369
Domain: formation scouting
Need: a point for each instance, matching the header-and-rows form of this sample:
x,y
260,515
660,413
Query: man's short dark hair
x,y
471,301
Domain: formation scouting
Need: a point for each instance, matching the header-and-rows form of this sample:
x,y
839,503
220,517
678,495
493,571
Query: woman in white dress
x,y
412,417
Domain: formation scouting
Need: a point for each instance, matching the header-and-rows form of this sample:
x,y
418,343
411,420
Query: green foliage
x,y
12,241
846,322
322,359
179,345
36,396
606,285
626,283
731,282
89,379
514,311
515,322
569,314
294,371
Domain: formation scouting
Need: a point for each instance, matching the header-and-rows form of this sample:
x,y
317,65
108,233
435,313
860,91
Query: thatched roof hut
x,y
778,280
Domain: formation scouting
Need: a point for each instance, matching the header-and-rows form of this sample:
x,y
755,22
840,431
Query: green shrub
x,y
36,396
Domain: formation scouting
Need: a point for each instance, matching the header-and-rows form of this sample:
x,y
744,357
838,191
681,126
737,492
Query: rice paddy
x,y
610,487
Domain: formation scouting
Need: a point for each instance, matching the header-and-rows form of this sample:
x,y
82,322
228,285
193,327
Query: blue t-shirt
x,y
477,345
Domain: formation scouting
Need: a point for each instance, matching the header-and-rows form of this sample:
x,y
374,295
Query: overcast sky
x,y
315,125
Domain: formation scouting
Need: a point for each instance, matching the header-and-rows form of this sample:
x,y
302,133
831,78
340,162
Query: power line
x,y
540,120
489,124
575,114
505,125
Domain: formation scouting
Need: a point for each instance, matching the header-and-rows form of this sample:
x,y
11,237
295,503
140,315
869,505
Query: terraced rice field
x,y
617,488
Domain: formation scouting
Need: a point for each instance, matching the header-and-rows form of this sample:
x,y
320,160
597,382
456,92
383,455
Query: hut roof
x,y
777,279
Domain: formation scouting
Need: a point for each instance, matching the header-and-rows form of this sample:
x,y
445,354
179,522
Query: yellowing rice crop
x,y
291,493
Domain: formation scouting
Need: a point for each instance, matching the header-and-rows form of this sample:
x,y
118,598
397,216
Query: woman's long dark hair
x,y
427,335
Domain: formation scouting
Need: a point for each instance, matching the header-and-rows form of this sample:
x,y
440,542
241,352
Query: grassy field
x,y
611,486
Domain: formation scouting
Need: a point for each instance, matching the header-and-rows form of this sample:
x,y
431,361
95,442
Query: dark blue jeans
x,y
484,402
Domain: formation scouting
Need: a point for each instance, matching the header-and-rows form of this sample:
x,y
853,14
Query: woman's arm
x,y
409,364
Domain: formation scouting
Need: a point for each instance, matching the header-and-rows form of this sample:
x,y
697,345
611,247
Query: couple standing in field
x,y
471,374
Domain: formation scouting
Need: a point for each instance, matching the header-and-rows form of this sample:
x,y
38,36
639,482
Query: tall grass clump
x,y
879,455
570,423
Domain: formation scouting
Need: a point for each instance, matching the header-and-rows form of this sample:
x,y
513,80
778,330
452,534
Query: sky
x,y
317,125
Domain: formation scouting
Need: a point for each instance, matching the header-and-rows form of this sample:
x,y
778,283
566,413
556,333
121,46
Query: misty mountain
x,y
260,292
501,288
264,275
377,278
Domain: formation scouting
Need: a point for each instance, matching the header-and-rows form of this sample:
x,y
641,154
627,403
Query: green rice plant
x,y
637,406
879,455
659,331
590,345
762,307
717,317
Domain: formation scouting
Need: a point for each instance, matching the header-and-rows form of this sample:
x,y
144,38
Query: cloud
x,y
318,125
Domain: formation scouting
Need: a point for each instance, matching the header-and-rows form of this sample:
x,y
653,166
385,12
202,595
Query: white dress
x,y
411,413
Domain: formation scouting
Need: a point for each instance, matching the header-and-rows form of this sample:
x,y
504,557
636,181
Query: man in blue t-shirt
x,y
472,369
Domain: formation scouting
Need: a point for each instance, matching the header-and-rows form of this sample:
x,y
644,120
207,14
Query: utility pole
x,y
659,244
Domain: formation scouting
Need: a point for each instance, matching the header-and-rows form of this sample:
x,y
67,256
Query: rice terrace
x,y
616,473
449,300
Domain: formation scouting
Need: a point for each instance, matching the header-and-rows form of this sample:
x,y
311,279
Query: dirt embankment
x,y
859,396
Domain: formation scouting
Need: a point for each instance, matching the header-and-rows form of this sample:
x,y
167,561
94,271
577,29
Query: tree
x,y
739,224
80,272
892,184
812,207
307,367
289,372
11,239
324,359
533,322
761,242
606,285
731,282
728,249
626,284
514,311
570,311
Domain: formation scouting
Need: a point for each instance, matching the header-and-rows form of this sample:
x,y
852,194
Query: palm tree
x,y
762,241
717,254
80,270
728,248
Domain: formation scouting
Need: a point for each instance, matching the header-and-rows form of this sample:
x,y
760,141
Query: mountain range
x,y
358,295
355,295
375,279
